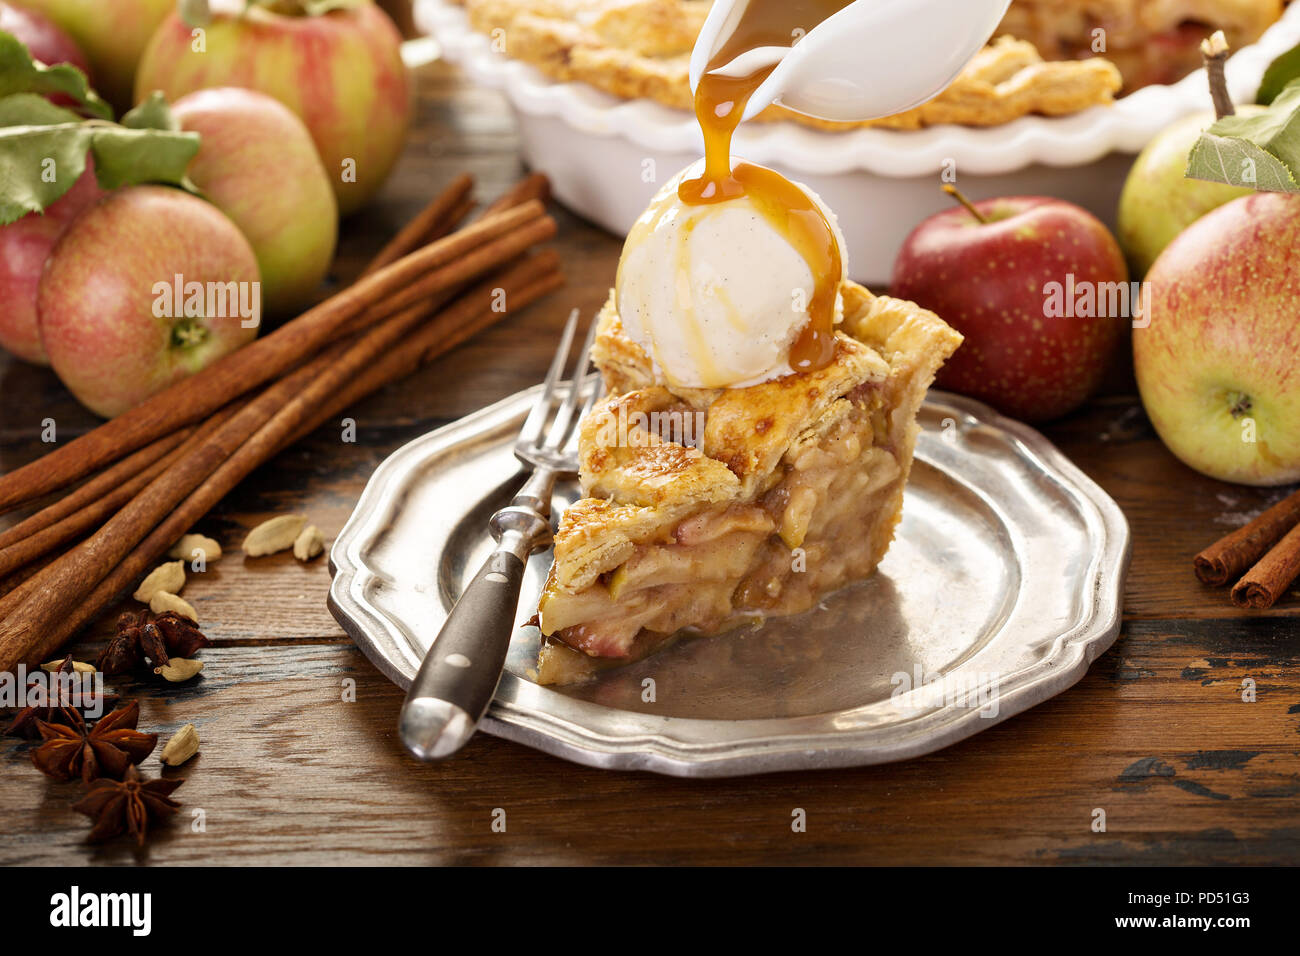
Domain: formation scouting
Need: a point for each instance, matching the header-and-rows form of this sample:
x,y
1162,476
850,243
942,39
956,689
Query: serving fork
x,y
460,672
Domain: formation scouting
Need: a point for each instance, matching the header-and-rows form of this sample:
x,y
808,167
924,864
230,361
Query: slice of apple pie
x,y
705,508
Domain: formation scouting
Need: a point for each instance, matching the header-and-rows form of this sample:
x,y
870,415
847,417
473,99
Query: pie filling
x,y
1162,58
826,520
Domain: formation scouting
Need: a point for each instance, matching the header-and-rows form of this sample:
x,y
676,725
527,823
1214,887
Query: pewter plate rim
x,y
606,737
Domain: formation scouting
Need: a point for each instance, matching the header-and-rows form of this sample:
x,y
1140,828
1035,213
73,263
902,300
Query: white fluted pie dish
x,y
606,157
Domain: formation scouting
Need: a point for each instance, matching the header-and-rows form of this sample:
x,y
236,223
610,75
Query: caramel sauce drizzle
x,y
719,103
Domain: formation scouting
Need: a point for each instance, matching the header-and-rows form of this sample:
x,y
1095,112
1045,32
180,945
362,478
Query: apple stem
x,y
1214,52
956,194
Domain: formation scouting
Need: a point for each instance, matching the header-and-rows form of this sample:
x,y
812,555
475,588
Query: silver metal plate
x,y
1003,584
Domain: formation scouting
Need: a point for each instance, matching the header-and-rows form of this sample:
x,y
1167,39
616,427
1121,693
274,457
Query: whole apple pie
x,y
1150,41
1049,58
706,508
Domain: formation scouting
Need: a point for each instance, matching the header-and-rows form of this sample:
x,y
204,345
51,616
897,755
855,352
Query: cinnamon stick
x,y
427,222
472,265
93,490
527,282
191,399
470,313
533,186
1231,555
99,509
1268,580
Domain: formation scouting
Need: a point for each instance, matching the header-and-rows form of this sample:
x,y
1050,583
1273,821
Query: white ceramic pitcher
x,y
873,58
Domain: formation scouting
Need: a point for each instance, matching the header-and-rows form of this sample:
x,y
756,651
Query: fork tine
x,y
564,417
532,430
591,386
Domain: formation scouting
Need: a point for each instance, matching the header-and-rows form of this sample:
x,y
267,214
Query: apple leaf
x,y
195,13
43,151
19,73
1260,151
127,157
153,113
1279,74
38,164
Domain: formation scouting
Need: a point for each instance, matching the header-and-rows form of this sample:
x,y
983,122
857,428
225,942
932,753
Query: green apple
x,y
258,165
1159,201
1217,365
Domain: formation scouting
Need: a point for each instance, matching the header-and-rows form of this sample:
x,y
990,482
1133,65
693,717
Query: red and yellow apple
x,y
113,34
1219,365
258,165
24,247
145,288
1015,282
340,71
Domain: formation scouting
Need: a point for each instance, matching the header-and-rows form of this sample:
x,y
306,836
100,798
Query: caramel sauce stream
x,y
719,104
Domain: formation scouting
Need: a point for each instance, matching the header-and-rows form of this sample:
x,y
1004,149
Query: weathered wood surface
x,y
1157,735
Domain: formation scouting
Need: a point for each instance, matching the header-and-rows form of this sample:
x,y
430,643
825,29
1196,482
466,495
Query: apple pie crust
x,y
640,49
1045,60
788,490
1151,41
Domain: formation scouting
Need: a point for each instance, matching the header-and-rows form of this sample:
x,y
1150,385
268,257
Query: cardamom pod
x,y
166,577
164,601
80,667
271,537
183,745
186,547
178,669
309,543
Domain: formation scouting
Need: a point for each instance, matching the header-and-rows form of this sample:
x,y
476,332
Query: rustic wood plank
x,y
1156,735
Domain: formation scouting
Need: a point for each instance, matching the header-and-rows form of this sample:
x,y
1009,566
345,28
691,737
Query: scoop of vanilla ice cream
x,y
715,294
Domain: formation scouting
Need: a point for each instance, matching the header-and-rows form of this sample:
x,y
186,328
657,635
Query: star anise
x,y
181,635
127,806
59,701
108,749
139,638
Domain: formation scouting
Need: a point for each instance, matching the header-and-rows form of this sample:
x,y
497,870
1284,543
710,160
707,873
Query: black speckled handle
x,y
460,673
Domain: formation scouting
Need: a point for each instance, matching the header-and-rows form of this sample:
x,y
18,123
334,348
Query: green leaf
x,y
1258,151
153,113
126,157
195,13
38,164
1280,73
43,151
19,73
31,109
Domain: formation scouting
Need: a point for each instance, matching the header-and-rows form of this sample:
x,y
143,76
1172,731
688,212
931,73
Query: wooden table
x,y
300,763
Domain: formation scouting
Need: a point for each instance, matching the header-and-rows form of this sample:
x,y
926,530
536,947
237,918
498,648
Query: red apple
x,y
258,165
43,39
1035,288
1219,365
340,71
24,247
112,323
113,34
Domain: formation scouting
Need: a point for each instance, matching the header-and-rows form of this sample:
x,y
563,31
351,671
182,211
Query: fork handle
x,y
461,671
